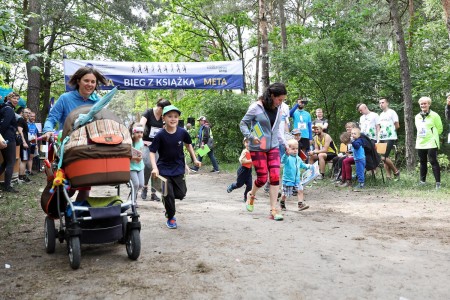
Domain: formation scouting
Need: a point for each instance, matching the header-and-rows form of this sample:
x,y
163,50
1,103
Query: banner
x,y
218,75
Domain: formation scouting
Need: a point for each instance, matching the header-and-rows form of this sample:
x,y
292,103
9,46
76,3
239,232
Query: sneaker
x,y
302,206
358,188
193,170
438,185
397,176
214,171
153,197
29,173
250,202
345,184
144,193
422,183
319,177
172,223
230,188
26,179
283,205
10,189
275,215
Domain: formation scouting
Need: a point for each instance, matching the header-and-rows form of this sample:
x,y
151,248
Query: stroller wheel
x,y
133,244
49,235
74,249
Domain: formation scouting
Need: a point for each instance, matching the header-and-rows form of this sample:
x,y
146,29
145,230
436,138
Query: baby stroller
x,y
97,154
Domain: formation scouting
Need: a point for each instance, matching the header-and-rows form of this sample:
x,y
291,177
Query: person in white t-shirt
x,y
369,122
388,134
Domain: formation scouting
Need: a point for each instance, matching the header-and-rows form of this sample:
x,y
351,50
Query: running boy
x,y
244,172
359,156
291,175
171,164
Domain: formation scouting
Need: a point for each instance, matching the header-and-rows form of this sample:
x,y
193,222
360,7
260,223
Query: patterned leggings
x,y
266,164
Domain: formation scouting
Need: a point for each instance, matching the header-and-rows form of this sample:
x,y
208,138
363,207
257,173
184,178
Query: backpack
x,y
373,159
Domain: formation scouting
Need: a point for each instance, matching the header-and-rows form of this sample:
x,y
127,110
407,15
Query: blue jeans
x,y
360,169
212,158
244,176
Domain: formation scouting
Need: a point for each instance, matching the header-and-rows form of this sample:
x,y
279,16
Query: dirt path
x,y
371,247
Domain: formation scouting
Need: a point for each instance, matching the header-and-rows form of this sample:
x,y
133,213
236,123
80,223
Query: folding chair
x,y
381,150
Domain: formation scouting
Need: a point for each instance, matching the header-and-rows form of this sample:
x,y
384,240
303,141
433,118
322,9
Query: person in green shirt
x,y
429,127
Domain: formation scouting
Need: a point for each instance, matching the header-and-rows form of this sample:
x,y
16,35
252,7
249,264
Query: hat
x,y
202,118
171,108
318,125
295,131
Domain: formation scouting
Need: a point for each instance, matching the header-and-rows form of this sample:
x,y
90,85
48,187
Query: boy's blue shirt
x,y
291,171
358,149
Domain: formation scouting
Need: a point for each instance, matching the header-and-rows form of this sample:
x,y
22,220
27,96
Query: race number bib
x,y
153,132
421,132
302,125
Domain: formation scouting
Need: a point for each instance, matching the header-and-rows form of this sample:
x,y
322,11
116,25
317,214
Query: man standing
x,y
321,120
388,134
324,149
302,121
33,133
369,122
205,136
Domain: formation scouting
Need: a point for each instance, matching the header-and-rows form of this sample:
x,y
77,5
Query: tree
x,y
406,85
265,79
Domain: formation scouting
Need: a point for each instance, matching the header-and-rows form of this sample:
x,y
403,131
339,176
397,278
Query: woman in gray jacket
x,y
261,126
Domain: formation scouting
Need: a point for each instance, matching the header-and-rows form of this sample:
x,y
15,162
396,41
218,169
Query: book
x,y
204,151
135,153
161,185
258,130
310,174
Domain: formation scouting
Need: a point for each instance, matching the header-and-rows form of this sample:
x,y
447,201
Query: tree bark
x,y
258,56
31,43
282,25
264,45
241,54
406,86
446,7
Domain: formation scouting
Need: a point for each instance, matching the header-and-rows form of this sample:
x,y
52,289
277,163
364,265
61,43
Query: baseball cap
x,y
318,125
171,108
202,118
295,131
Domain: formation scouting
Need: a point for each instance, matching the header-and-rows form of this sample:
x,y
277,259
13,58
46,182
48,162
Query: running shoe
x,y
144,193
275,215
172,223
302,206
283,205
230,188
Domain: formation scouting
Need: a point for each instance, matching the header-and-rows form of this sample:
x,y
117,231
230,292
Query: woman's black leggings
x,y
432,157
9,159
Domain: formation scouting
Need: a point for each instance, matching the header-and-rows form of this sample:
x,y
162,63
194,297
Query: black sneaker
x,y
283,205
214,171
10,189
193,170
144,193
153,197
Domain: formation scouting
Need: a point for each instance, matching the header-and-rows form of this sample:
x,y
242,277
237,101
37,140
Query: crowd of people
x,y
279,143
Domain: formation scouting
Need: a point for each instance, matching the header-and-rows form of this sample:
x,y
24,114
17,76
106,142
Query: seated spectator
x,y
324,149
337,161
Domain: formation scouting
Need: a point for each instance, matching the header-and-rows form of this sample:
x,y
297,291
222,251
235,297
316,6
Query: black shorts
x,y
389,146
330,156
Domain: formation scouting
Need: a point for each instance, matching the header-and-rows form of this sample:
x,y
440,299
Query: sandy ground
x,y
346,246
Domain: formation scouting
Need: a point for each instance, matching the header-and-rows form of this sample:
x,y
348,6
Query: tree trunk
x,y
241,54
446,6
258,55
282,25
264,45
406,86
31,43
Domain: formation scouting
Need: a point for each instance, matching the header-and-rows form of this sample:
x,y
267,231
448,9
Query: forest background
x,y
336,53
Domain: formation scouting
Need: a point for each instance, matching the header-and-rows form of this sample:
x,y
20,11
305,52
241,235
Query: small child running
x,y
244,172
137,164
291,175
360,158
171,164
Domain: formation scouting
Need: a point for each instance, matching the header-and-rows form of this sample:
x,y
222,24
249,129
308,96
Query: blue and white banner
x,y
219,75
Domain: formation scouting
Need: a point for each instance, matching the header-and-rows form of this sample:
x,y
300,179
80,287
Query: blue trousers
x,y
360,169
212,158
244,176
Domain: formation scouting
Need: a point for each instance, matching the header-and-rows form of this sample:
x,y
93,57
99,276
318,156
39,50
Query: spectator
x,y
324,149
302,121
369,122
153,123
321,120
8,128
85,81
33,133
359,158
264,150
244,172
447,108
205,137
22,128
429,127
388,134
